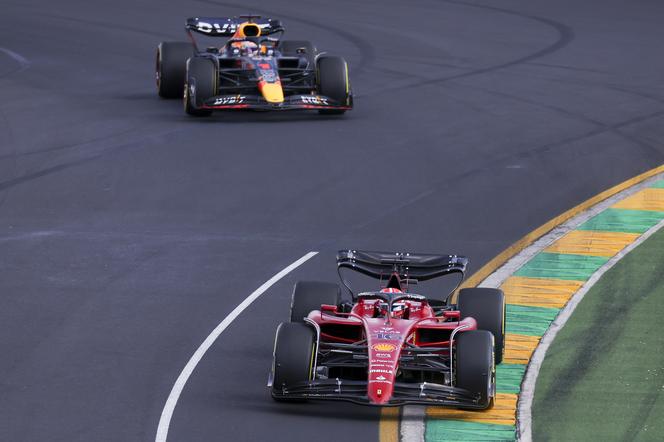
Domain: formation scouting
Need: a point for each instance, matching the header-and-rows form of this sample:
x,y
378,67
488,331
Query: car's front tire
x,y
333,82
475,365
201,84
294,357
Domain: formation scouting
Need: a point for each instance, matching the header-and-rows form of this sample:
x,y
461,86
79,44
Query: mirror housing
x,y
327,308
452,314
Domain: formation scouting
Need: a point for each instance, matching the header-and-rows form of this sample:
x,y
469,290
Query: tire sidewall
x,y
332,79
294,355
201,84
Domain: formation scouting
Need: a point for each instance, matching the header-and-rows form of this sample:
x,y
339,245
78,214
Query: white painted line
x,y
171,402
530,380
413,427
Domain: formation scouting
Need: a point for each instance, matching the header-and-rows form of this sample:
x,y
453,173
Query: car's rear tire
x,y
487,306
475,366
332,80
171,62
290,48
310,295
294,357
201,84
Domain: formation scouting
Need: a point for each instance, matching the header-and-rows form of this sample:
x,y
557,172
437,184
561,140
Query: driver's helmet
x,y
239,40
398,308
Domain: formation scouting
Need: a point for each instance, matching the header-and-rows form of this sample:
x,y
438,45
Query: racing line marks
x,y
565,37
174,395
23,63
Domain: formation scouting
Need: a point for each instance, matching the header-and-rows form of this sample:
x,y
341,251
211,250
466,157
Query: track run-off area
x,y
129,232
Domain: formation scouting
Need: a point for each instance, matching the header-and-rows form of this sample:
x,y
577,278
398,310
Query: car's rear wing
x,y
410,267
418,266
226,26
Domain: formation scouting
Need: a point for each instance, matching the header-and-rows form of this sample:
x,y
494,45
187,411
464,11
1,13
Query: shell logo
x,y
384,347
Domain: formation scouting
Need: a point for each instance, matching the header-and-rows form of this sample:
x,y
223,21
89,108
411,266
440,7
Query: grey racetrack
x,y
128,230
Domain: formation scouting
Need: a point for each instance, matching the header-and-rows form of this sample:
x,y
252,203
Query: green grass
x,y
603,376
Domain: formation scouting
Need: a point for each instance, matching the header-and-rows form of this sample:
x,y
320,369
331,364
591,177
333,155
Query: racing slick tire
x,y
201,84
332,80
487,306
171,67
475,365
310,295
294,357
289,48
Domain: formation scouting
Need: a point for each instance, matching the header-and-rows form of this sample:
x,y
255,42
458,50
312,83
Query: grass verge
x,y
603,376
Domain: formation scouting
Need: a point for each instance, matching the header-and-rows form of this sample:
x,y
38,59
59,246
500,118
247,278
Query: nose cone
x,y
272,92
383,357
380,389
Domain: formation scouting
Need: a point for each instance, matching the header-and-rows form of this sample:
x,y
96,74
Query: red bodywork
x,y
386,334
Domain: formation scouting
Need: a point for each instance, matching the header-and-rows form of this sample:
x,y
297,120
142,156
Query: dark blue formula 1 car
x,y
250,69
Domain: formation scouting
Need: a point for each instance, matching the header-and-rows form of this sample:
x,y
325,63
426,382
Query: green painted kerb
x,y
509,377
532,321
561,266
449,430
623,220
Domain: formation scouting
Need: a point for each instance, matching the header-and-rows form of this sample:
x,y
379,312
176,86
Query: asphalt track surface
x,y
128,230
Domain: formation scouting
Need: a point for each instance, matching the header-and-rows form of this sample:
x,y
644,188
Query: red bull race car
x,y
251,69
391,347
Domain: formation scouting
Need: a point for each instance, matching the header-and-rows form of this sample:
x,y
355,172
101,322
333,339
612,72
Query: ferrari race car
x,y
391,347
252,69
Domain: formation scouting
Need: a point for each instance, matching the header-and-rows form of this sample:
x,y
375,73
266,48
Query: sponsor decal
x,y
237,99
379,370
387,336
378,381
384,347
387,329
208,28
269,76
314,99
381,378
383,355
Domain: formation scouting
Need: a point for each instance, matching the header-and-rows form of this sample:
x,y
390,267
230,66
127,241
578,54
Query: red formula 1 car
x,y
391,347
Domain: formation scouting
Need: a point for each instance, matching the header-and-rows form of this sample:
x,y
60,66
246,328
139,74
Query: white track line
x,y
171,402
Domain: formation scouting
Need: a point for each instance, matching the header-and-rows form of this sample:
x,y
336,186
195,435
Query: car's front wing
x,y
291,102
425,393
